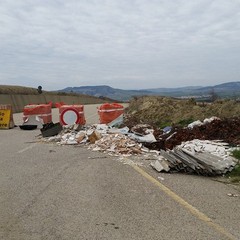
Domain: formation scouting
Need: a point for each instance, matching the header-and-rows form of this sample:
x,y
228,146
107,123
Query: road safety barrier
x,y
42,111
108,112
72,114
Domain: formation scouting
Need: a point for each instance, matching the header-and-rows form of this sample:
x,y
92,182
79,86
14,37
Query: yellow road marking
x,y
185,204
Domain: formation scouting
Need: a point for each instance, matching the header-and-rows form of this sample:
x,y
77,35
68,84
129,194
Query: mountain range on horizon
x,y
224,90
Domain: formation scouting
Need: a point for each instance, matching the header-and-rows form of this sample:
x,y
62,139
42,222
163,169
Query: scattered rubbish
x,y
232,195
204,157
160,165
116,144
124,130
80,136
194,124
142,129
51,129
28,127
227,130
161,178
167,129
149,138
201,157
199,123
94,136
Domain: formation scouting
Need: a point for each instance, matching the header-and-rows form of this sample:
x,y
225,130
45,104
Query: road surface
x,y
70,192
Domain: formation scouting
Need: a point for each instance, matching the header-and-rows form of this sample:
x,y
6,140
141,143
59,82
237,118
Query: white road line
x,y
27,148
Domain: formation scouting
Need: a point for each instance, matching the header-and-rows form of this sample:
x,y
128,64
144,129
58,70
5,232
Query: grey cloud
x,y
140,43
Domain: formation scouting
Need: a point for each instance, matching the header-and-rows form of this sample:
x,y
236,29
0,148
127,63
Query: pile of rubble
x,y
196,156
173,152
227,130
100,137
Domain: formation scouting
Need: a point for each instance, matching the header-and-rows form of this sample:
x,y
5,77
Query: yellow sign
x,y
5,117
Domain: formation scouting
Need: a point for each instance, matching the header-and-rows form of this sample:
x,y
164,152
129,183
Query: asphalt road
x,y
65,192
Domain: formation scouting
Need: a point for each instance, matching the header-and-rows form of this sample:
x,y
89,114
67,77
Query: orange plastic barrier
x,y
77,109
43,111
59,104
109,111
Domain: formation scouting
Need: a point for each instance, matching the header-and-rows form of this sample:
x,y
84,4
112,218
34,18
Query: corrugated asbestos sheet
x,y
202,163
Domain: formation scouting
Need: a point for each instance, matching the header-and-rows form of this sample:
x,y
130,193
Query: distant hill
x,y
106,91
229,89
169,90
224,87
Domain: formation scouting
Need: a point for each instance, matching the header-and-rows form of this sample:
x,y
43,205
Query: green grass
x,y
234,175
164,124
236,154
185,122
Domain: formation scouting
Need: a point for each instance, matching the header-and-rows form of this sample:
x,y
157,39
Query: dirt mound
x,y
164,111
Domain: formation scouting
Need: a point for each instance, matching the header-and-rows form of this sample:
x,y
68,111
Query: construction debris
x,y
232,195
160,165
116,144
51,129
201,157
205,157
227,130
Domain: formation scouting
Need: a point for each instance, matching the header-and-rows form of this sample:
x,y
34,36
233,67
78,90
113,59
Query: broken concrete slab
x,y
160,165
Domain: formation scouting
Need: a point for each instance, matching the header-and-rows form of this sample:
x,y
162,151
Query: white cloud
x,y
143,43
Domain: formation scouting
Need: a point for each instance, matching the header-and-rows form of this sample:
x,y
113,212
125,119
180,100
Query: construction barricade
x,y
72,114
108,112
59,104
42,112
6,116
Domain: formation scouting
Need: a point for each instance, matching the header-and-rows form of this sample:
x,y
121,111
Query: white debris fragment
x,y
199,123
195,123
214,147
142,129
124,130
149,138
160,165
232,195
209,120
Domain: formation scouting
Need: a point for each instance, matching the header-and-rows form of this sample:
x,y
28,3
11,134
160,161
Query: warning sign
x,y
6,117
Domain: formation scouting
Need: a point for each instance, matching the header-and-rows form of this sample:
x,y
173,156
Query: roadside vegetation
x,y
163,111
234,176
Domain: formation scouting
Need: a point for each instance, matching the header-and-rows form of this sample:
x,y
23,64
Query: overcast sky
x,y
128,44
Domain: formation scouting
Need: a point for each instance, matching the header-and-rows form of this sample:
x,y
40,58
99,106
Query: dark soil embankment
x,y
161,112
